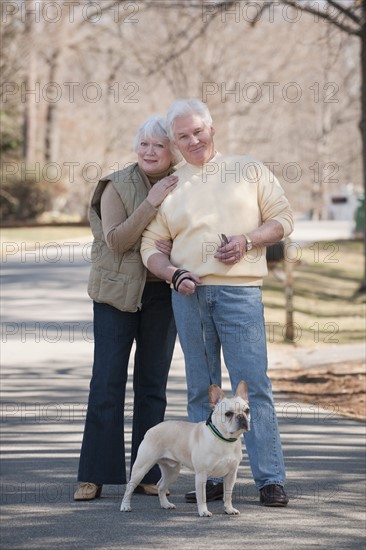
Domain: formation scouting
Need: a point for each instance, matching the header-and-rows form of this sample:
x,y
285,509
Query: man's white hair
x,y
186,107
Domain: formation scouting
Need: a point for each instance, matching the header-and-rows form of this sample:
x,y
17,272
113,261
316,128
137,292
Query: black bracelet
x,y
176,276
181,281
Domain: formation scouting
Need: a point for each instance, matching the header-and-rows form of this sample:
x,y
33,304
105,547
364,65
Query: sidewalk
x,y
46,361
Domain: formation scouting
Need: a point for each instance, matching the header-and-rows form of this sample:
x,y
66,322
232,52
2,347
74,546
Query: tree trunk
x,y
51,146
289,294
363,120
30,96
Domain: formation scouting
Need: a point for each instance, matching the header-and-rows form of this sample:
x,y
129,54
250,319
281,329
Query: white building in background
x,y
341,204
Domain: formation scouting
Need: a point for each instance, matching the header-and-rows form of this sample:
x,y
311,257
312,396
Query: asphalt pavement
x,y
46,360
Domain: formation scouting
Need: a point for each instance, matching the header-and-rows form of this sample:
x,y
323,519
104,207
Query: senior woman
x,y
130,305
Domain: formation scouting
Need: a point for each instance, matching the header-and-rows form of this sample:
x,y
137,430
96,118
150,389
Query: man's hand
x,y
185,282
232,252
160,265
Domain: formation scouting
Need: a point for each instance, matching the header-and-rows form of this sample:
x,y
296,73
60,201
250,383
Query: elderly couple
x,y
203,229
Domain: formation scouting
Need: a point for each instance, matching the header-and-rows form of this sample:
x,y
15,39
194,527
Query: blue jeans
x,y
231,318
102,458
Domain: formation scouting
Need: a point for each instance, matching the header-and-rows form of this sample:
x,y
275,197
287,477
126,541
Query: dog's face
x,y
230,415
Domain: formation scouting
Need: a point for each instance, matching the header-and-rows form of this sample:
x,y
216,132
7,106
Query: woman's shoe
x,y
147,489
87,491
150,489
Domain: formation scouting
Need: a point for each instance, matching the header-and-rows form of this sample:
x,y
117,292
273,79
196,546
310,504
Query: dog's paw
x,y
205,514
125,508
232,511
168,506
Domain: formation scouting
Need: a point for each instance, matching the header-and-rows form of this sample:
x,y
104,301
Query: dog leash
x,y
223,241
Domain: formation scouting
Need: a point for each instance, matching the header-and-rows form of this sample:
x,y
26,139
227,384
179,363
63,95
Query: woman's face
x,y
154,155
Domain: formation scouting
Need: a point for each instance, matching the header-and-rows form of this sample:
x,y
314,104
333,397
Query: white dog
x,y
210,449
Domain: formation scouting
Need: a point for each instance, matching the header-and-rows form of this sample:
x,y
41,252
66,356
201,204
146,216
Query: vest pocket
x,y
120,291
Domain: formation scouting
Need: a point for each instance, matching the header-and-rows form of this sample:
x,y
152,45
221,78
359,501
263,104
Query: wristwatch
x,y
249,242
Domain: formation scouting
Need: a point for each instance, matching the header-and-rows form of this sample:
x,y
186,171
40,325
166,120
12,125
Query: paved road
x,y
46,357
306,231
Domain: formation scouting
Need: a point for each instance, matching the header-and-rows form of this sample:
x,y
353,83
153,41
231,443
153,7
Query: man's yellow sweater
x,y
231,194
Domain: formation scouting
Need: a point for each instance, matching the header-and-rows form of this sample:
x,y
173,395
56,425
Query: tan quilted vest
x,y
117,279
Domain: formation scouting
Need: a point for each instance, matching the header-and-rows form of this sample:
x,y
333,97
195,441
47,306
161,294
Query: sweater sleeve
x,y
157,229
272,201
121,232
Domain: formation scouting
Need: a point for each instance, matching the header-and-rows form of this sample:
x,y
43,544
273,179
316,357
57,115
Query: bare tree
x,y
349,18
179,50
30,113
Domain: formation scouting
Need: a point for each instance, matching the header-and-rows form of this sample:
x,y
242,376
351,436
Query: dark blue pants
x,y
102,458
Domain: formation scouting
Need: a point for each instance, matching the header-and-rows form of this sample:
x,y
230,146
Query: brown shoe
x,y
214,491
87,491
273,495
149,489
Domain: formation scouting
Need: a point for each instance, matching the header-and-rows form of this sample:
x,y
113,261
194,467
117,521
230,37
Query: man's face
x,y
194,140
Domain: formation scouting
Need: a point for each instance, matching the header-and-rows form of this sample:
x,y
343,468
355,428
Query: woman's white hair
x,y
154,128
186,107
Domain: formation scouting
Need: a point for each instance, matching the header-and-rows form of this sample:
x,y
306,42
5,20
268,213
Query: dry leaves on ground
x,y
338,387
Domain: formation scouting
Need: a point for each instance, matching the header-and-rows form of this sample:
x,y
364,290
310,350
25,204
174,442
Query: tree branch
x,y
323,15
163,4
175,54
345,11
259,13
314,11
103,7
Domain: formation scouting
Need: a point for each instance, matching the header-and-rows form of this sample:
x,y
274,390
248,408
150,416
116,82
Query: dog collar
x,y
216,432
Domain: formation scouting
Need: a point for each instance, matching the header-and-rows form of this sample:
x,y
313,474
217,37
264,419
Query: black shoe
x,y
214,491
273,495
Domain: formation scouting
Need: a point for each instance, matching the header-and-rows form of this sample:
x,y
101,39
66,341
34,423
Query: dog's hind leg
x,y
126,501
169,473
140,468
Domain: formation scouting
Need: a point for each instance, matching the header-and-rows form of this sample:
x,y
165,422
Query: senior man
x,y
223,213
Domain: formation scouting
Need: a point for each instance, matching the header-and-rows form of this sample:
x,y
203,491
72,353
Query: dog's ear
x,y
242,390
215,394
